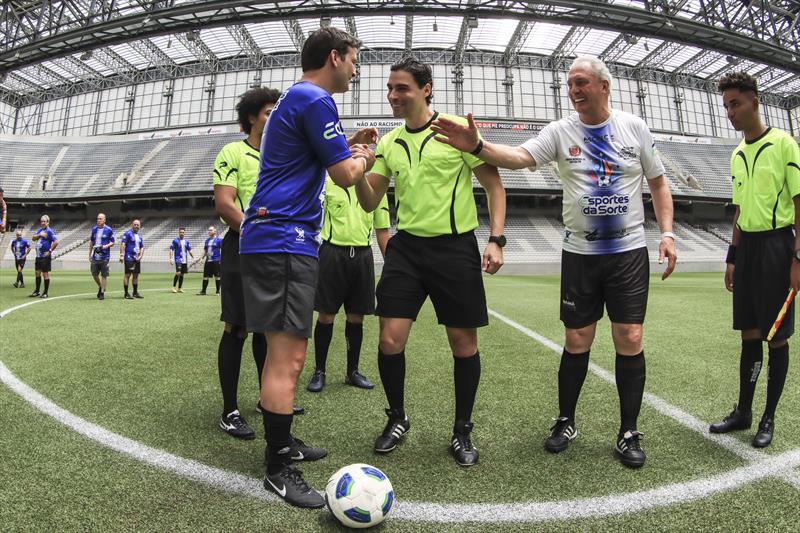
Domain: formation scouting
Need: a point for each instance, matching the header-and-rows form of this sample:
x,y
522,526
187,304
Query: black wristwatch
x,y
499,240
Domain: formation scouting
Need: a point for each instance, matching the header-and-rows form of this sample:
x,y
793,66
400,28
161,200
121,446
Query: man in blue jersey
x,y
179,252
20,248
280,236
46,243
211,253
100,243
131,251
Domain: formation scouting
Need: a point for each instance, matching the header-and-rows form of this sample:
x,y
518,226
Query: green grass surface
x,y
162,390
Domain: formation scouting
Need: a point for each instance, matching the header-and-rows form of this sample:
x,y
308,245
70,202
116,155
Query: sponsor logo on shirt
x,y
603,206
628,152
332,130
262,211
574,150
301,234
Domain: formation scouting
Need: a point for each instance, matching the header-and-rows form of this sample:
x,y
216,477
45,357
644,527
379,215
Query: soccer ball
x,y
359,495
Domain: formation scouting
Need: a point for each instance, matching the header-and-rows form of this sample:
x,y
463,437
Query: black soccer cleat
x,y
461,446
235,425
137,295
629,450
44,296
301,452
397,426
766,429
357,379
101,296
201,293
21,285
128,296
561,434
317,382
16,284
736,420
35,294
292,488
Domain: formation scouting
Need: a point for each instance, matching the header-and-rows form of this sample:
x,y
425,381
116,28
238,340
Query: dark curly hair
x,y
738,80
251,102
418,70
319,44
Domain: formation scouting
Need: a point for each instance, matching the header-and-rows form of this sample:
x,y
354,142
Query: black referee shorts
x,y
181,268
19,264
447,268
232,297
133,267
346,276
211,269
43,264
761,279
619,282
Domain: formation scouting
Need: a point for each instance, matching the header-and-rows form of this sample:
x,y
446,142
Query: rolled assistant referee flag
x,y
781,315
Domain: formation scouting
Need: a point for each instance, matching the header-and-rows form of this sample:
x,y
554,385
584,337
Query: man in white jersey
x,y
602,155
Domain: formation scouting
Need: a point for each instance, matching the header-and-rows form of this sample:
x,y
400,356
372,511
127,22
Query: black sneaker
x,y
137,295
44,296
736,420
317,381
301,452
296,409
629,450
561,434
766,428
201,293
16,284
397,426
461,445
357,379
290,485
128,296
235,425
34,294
101,296
21,285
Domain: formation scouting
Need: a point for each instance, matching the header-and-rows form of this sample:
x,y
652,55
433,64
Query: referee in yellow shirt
x,y
764,258
346,275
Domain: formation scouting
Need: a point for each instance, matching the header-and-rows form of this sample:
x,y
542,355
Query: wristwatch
x,y
499,240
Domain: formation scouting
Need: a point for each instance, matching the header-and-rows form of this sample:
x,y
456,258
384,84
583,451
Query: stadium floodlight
x,y
86,56
435,27
732,60
146,21
325,21
192,36
630,39
472,21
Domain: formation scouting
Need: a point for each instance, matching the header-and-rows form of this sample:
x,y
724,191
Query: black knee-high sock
x,y
38,283
216,283
322,342
277,433
466,376
46,285
630,370
571,375
229,361
125,286
392,369
749,368
353,334
135,288
180,282
175,280
19,276
776,377
205,284
259,344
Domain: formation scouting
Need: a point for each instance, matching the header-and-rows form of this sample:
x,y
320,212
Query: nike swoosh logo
x,y
298,457
282,491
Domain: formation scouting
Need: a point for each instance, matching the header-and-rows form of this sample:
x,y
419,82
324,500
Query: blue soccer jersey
x,y
19,247
212,247
181,248
45,242
133,243
284,215
101,237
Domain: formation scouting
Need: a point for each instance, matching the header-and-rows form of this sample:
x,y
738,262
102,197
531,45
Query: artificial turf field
x,y
146,370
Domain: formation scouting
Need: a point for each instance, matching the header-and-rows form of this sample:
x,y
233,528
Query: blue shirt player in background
x,y
20,248
100,243
131,251
178,251
211,253
280,238
46,243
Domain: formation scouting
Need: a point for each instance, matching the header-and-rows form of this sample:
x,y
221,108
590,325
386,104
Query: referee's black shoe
x,y
461,445
290,485
357,379
763,438
629,450
34,294
397,426
561,434
235,425
736,420
317,382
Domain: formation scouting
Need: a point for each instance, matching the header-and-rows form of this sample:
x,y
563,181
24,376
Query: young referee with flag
x,y
763,261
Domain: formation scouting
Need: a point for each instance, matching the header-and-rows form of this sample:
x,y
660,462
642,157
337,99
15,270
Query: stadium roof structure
x,y
51,49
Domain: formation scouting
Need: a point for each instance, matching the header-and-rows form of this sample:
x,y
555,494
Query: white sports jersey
x,y
601,168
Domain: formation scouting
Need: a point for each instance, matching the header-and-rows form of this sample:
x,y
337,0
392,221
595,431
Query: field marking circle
x,y
761,467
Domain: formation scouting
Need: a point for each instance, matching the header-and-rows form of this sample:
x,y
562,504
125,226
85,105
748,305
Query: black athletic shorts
x,y
346,276
761,280
279,292
99,268
618,281
19,263
183,268
447,268
232,297
43,264
133,267
211,269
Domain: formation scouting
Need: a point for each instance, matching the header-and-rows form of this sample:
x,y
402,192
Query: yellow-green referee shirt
x,y
766,178
345,223
237,166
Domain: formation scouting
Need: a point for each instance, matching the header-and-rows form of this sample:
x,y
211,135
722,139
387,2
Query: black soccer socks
x,y
46,285
630,370
749,368
175,280
466,376
205,285
392,369
353,334
323,333
277,433
229,361
571,375
776,377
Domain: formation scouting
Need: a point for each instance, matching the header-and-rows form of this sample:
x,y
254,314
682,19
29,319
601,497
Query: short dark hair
x,y
738,80
181,229
1,190
420,71
319,44
251,103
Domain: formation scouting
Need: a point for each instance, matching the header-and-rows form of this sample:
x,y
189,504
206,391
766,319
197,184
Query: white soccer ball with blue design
x,y
359,495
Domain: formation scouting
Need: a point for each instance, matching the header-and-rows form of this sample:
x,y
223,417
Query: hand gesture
x,y
363,136
362,151
464,138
